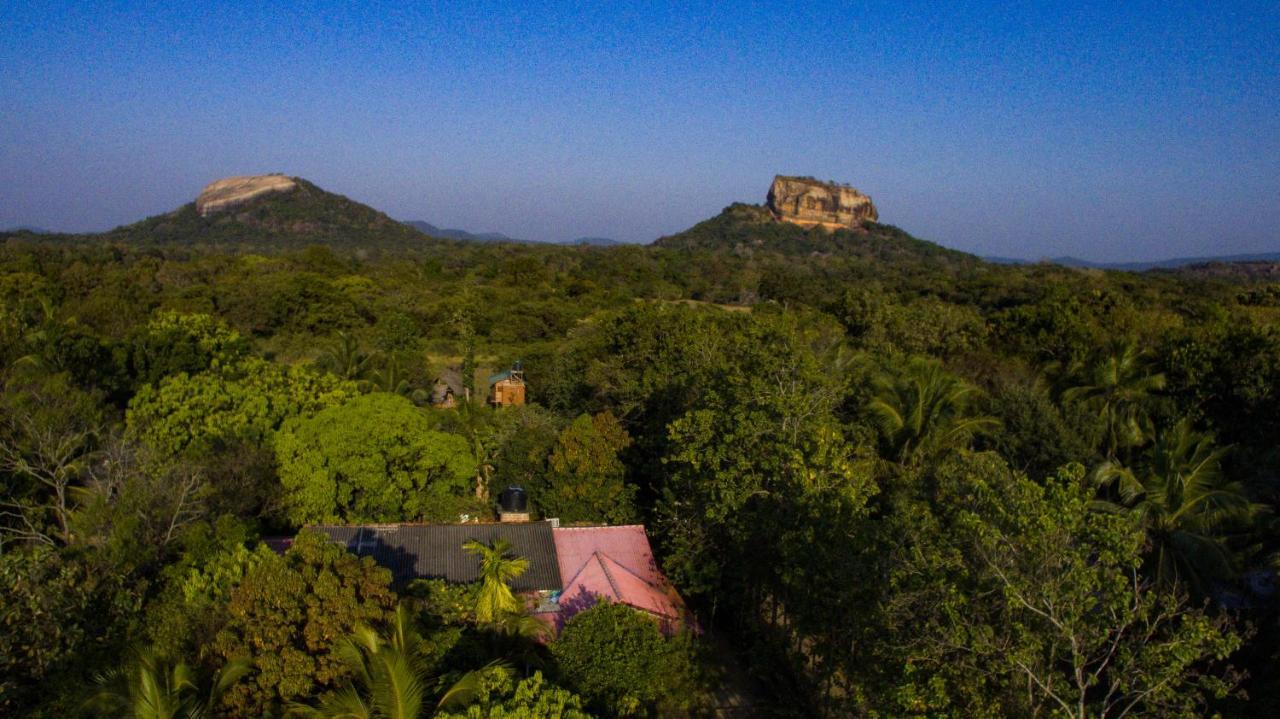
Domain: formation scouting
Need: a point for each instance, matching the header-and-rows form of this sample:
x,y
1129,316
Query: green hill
x,y
304,216
752,229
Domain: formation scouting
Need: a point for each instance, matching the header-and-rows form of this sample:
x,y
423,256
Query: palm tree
x,y
391,677
1180,496
497,567
1117,386
924,412
154,689
392,379
344,358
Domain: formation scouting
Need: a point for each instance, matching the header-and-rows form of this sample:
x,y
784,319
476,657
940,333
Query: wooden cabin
x,y
507,388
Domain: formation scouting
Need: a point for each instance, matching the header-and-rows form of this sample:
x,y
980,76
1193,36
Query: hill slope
x,y
307,215
742,228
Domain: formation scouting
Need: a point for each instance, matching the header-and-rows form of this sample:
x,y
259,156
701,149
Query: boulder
x,y
809,202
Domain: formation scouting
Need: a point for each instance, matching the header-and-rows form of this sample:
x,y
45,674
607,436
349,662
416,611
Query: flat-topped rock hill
x,y
231,192
803,216
810,203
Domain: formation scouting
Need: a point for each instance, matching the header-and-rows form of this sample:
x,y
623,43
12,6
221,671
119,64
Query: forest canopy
x,y
899,480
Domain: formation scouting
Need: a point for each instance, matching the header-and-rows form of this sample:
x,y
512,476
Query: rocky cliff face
x,y
807,202
231,192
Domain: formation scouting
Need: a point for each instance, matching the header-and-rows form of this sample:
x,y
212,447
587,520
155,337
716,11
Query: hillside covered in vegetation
x,y
900,480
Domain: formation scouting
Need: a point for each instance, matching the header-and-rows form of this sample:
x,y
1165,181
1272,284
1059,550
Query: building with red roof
x,y
613,564
570,568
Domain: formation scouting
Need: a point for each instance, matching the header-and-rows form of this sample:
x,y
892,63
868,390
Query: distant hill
x,y
743,228
1169,264
299,214
455,234
27,228
594,242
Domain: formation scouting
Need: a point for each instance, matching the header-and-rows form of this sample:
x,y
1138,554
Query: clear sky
x,y
1110,131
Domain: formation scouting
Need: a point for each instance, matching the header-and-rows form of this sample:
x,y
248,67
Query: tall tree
x,y
924,412
1180,496
1117,385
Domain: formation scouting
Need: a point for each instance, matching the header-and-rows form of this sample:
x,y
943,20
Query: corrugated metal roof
x,y
434,551
494,378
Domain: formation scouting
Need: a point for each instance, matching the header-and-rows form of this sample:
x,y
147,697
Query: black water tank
x,y
513,500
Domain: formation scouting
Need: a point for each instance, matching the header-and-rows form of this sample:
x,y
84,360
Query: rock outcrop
x,y
808,202
230,192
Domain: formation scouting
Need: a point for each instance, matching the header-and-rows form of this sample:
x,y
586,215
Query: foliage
x,y
153,689
1180,496
923,413
49,436
391,676
498,567
618,661
173,342
1116,386
374,459
1016,599
585,476
58,615
202,413
840,553
286,616
534,698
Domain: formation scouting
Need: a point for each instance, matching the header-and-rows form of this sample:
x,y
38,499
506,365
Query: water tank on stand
x,y
513,505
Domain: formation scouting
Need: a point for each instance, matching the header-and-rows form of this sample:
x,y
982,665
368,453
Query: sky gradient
x,y
1112,133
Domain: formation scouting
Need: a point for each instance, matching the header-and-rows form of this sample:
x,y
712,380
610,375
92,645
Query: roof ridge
x,y
601,526
609,575
628,570
582,569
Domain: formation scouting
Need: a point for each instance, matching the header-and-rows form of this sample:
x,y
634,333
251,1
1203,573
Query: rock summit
x,y
231,192
808,202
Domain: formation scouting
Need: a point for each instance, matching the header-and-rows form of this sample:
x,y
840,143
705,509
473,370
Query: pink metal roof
x,y
613,563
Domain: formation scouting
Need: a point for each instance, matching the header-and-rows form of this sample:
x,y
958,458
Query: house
x,y
507,388
434,551
448,388
570,568
614,564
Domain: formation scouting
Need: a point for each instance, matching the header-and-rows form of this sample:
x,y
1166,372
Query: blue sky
x,y
1111,131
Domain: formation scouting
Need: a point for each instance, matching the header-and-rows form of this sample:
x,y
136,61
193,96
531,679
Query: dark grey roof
x,y
434,551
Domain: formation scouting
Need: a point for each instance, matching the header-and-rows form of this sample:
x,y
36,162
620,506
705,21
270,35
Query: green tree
x,y
50,433
154,689
498,567
391,677
376,458
617,659
286,616
1181,497
923,413
344,357
201,413
499,697
1117,386
191,607
173,342
59,615
585,476
1000,596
